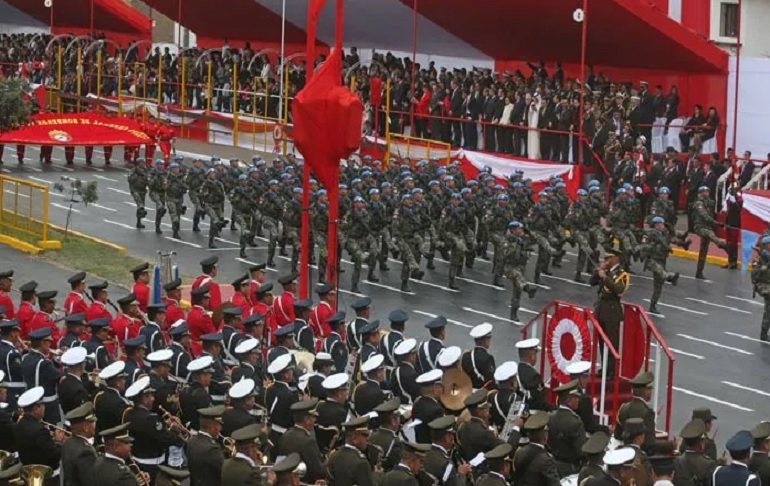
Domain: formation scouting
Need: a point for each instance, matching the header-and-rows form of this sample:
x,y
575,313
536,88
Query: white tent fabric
x,y
759,206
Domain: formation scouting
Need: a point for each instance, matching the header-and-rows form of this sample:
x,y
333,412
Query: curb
x,y
693,255
19,245
118,248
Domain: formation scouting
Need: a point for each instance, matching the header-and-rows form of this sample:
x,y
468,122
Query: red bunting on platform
x,y
77,130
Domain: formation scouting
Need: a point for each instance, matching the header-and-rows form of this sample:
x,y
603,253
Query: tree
x,y
15,107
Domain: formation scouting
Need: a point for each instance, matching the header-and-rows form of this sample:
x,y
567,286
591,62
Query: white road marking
x,y
104,207
748,301
356,294
119,191
42,181
659,316
712,399
122,225
202,224
188,243
715,344
451,321
63,167
683,309
134,205
224,249
483,284
431,284
544,287
8,191
747,338
249,262
679,351
568,280
106,178
387,287
706,302
66,208
746,388
499,318
231,242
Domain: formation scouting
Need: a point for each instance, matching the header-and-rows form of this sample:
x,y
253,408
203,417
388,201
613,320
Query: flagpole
x,y
304,246
283,53
333,191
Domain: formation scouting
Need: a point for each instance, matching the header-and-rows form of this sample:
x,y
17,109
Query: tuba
x,y
304,360
457,386
35,474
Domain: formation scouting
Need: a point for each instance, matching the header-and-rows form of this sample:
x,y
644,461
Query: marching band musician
x,y
397,320
403,378
533,465
633,438
637,407
407,470
6,283
10,361
34,442
126,323
242,402
135,352
170,476
386,438
206,279
109,404
71,389
248,357
241,468
566,433
27,310
504,398
334,345
111,468
232,332
363,309
594,449
152,437
6,419
370,339
165,389
141,287
77,452
579,371
327,298
529,378
427,406
438,460
204,454
347,465
305,337
196,395
75,302
241,296
477,362
44,318
220,379
322,367
98,307
264,307
174,311
257,278
300,439
153,326
498,462
99,354
620,468
279,397
475,435
180,346
333,411
449,358
286,471
283,305
369,393
75,327
199,318
39,370
429,350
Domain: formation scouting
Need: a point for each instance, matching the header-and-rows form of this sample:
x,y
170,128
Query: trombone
x,y
184,432
53,428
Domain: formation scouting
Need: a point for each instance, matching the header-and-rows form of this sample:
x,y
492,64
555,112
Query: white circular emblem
x,y
566,331
48,3
578,15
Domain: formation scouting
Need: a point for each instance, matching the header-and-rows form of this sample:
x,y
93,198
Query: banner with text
x,y
77,130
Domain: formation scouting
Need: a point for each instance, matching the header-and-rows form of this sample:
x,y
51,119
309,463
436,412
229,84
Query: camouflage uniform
x,y
578,220
496,220
361,245
655,249
453,226
243,202
138,181
194,180
378,220
515,256
406,232
703,225
157,187
666,210
319,222
425,239
540,222
598,210
212,197
292,220
272,212
471,210
175,191
760,279
619,219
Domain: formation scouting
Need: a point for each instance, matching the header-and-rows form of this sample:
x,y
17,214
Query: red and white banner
x,y
755,213
567,340
77,130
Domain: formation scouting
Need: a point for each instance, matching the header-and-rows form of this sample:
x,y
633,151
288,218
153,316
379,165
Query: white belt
x,y
157,461
278,428
15,384
50,399
56,472
218,398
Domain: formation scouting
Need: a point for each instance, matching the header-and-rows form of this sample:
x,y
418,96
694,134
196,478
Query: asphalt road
x,y
712,326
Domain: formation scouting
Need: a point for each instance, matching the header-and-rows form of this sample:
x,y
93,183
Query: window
x,y
728,20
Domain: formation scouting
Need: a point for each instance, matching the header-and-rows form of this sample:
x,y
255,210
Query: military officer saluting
x,y
333,344
638,408
109,404
692,466
242,401
34,442
39,370
196,395
347,465
112,468
737,472
300,439
403,378
397,320
566,433
72,389
385,440
594,449
279,397
369,393
477,362
529,378
204,454
241,469
411,465
438,460
77,453
429,350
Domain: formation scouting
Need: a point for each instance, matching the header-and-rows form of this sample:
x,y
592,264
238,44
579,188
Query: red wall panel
x,y
696,15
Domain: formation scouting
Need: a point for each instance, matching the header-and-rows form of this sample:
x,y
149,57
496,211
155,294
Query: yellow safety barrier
x,y
418,148
24,209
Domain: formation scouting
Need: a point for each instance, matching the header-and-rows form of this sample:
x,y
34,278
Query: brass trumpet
x,y
184,432
229,444
142,478
53,428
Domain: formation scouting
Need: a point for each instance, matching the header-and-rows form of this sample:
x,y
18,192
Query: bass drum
x,y
571,480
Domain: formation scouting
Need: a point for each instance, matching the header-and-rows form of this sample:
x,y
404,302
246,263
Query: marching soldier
x,y
158,185
388,343
438,460
533,465
427,406
411,465
496,221
429,350
242,200
241,468
334,344
703,225
453,224
39,371
613,282
72,389
272,212
515,254
406,232
212,198
77,453
385,439
594,449
196,396
319,221
348,466
638,408
566,433
204,454
529,378
176,188
361,244
578,220
138,182
333,411
760,279
300,439
540,221
242,402
109,404
475,435
693,466
292,219
403,378
279,397
75,302
477,362
194,180
369,393
34,442
655,249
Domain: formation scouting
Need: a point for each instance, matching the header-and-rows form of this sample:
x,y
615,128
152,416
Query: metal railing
x,y
24,207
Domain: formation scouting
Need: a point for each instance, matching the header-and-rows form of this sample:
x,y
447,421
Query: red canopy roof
x,y
109,15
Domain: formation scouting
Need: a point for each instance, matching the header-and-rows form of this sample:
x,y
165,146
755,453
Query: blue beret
x,y
517,185
472,183
560,185
355,181
627,186
373,191
515,224
594,189
593,182
465,190
657,220
342,186
620,190
398,316
173,165
417,190
455,195
664,190
385,185
159,161
358,199
321,192
272,182
542,194
703,188
406,196
242,177
433,183
502,197
436,323
766,240
582,192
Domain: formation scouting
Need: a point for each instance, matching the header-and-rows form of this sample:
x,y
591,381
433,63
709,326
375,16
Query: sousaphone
x,y
457,386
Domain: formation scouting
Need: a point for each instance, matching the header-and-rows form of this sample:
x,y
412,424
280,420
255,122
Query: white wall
x,y
755,30
753,106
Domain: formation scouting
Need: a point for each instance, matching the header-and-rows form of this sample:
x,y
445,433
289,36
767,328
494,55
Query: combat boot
x,y
271,256
405,286
514,314
674,278
460,271
537,278
653,309
417,274
196,221
531,290
243,252
498,280
578,278
371,277
384,266
452,275
431,265
139,224
175,228
158,217
211,241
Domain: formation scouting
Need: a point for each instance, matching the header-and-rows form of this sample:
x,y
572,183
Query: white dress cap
x,y
619,456
30,397
578,367
323,356
405,347
246,345
448,356
280,363
528,343
506,371
74,356
481,330
112,370
336,381
242,388
431,376
200,363
138,387
374,362
160,355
